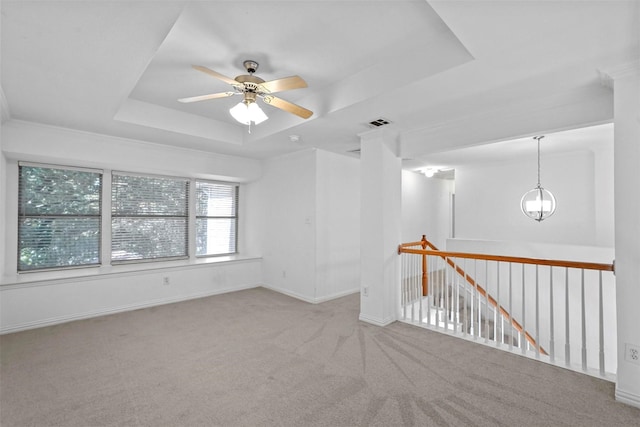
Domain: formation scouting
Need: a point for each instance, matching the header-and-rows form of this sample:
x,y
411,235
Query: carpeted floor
x,y
258,358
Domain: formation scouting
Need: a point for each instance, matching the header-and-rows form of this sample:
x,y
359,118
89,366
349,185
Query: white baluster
x,y
413,286
456,301
430,291
455,315
438,302
446,303
537,316
403,286
486,305
510,310
552,343
498,314
524,317
477,298
567,342
420,297
601,322
584,326
464,298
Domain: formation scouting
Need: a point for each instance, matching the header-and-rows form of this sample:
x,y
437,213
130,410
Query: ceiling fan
x,y
252,87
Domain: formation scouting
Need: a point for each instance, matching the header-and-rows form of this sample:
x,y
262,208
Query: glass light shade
x,y
241,113
538,204
246,114
256,115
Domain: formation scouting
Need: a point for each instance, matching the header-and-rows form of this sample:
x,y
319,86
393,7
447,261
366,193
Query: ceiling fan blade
x,y
206,97
288,106
285,83
215,74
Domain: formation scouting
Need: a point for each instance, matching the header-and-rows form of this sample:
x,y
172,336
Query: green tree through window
x,y
59,215
149,217
216,218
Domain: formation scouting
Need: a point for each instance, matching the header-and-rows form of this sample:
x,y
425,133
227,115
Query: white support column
x,y
380,227
626,94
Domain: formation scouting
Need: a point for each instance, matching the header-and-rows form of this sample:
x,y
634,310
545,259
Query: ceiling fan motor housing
x,y
249,85
251,66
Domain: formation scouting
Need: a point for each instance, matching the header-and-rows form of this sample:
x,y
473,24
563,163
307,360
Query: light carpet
x,y
259,358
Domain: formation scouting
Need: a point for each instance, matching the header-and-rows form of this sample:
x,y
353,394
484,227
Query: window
x,y
149,217
59,215
152,217
216,218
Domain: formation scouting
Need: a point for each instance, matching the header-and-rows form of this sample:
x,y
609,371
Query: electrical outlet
x,y
165,280
365,291
632,353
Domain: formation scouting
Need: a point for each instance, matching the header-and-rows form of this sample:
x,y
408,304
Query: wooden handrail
x,y
404,248
424,243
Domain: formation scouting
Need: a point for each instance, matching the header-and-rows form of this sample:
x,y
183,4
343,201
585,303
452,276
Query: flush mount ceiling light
x,y
538,203
429,172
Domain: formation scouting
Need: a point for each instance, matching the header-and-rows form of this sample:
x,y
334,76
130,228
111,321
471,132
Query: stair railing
x,y
451,284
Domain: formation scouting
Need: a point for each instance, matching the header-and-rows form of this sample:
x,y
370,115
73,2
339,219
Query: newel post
x,y
425,283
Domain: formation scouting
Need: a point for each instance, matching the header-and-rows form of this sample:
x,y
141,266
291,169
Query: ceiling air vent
x,y
379,122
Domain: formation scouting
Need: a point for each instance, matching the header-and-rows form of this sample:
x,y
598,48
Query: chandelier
x,y
538,203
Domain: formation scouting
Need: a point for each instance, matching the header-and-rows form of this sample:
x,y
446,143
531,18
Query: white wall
x,y
306,220
488,200
627,213
34,304
337,225
284,218
426,208
380,226
41,298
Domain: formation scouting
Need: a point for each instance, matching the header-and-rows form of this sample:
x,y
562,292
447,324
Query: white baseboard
x,y
628,398
376,321
152,303
338,295
308,299
129,307
290,293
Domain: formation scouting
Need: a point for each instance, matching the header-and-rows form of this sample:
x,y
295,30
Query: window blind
x,y
149,217
59,216
216,218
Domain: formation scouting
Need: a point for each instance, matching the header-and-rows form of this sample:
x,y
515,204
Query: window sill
x,y
98,272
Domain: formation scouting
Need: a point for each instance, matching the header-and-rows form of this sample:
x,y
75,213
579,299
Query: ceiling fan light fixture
x,y
256,115
246,112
